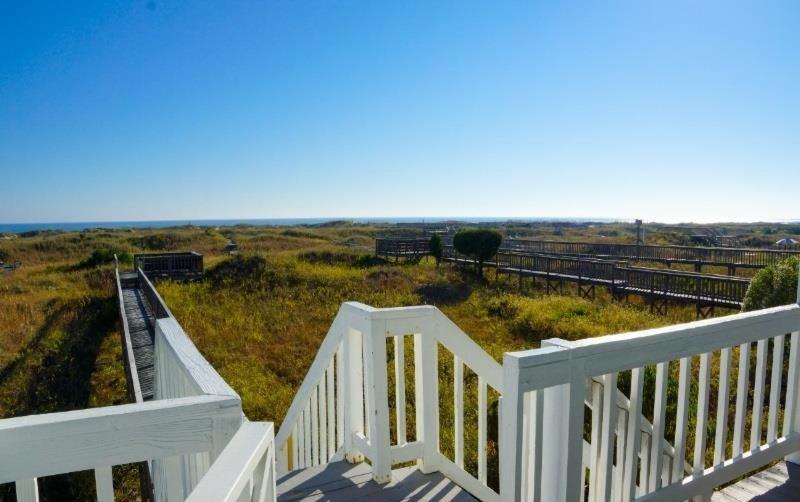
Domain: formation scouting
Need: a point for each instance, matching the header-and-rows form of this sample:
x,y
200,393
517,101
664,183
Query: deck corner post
x,y
352,393
562,432
377,394
511,431
426,369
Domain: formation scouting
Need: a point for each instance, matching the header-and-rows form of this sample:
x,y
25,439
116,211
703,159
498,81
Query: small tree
x,y
480,244
435,246
773,286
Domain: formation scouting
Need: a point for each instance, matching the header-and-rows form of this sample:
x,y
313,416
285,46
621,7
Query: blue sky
x,y
670,111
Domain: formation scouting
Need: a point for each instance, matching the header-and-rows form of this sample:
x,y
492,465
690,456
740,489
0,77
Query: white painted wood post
x,y
27,490
353,396
426,369
378,400
562,433
104,484
511,431
791,423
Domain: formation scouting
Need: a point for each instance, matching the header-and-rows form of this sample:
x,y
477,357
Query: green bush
x,y
436,248
329,257
104,256
772,286
479,244
159,242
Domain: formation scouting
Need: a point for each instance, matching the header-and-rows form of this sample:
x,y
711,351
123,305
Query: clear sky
x,y
135,110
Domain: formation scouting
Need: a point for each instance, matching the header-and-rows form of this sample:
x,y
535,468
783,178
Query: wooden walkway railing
x,y
543,457
178,265
192,436
658,286
732,258
410,249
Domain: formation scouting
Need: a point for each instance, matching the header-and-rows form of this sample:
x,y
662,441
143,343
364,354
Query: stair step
x,y
340,481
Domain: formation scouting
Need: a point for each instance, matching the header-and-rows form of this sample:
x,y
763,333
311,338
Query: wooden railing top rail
x,y
157,304
686,273
201,373
58,443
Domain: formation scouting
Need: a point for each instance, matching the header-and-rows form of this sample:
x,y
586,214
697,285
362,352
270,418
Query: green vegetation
x,y
480,244
772,286
105,256
436,248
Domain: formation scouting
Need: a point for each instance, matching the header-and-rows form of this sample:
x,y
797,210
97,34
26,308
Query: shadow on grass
x,y
62,356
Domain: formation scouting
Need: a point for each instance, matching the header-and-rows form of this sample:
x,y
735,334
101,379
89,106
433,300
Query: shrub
x,y
328,257
772,286
237,269
104,256
158,242
436,248
479,244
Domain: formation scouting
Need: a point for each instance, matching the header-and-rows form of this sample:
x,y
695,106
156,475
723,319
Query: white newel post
x,y
353,393
377,393
426,375
792,420
512,424
562,433
27,490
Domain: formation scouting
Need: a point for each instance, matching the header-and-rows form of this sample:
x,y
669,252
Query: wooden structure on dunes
x,y
731,258
178,265
657,286
402,249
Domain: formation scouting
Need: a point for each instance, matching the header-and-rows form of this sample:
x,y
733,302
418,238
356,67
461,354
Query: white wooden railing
x,y
544,396
343,407
198,443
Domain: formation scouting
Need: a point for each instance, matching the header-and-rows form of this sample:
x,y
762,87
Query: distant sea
x,y
84,225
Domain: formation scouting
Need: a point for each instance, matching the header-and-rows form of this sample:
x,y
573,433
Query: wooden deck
x,y
779,483
340,481
140,324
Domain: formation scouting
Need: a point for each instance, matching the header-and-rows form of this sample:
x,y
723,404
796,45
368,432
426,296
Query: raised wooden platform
x,y
341,481
779,483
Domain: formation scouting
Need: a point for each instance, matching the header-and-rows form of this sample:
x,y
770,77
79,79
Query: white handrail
x,y
326,420
559,372
244,471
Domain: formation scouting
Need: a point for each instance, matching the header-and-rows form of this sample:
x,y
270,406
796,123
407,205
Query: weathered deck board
x,y
340,481
140,323
779,483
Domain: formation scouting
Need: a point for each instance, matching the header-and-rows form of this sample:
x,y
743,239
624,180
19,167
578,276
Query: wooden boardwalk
x,y
732,258
341,481
141,328
779,483
657,286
